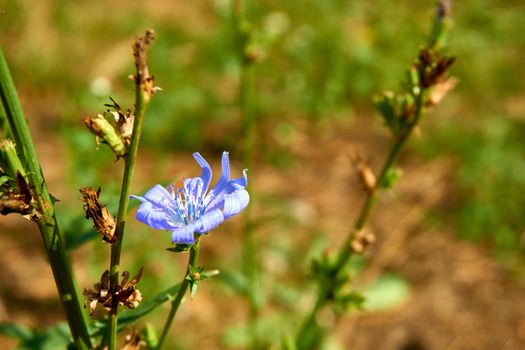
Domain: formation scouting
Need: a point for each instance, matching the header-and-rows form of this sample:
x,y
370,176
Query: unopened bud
x,y
253,54
442,24
104,131
196,276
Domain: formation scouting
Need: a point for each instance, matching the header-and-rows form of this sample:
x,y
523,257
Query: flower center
x,y
189,202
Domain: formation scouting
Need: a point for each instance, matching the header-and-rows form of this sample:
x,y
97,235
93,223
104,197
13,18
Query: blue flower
x,y
192,208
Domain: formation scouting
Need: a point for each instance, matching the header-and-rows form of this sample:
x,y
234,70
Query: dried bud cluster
x,y
126,294
103,221
426,85
432,67
362,240
142,78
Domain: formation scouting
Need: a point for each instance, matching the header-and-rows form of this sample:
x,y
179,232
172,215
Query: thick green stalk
x,y
141,102
175,304
346,251
49,230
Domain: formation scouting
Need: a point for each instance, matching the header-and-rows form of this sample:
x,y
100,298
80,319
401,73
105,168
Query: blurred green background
x,y
323,61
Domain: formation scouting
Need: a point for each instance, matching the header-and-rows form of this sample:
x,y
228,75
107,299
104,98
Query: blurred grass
x,y
324,61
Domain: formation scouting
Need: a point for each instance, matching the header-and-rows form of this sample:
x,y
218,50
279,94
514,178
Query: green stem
x,y
175,304
249,251
49,230
246,102
141,102
346,251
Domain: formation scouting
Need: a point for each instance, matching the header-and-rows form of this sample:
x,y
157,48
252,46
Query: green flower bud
x,y
99,126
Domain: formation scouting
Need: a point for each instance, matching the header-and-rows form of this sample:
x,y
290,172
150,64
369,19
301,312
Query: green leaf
x,y
193,289
178,248
386,105
289,342
348,300
57,337
16,331
266,329
235,280
3,179
387,292
149,335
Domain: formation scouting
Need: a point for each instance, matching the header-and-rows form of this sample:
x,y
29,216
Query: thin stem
x,y
346,251
129,168
246,103
49,230
175,304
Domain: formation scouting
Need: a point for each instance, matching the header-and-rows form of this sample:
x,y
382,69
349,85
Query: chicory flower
x,y
192,208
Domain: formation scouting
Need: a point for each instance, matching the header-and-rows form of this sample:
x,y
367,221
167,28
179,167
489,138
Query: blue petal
x,y
206,173
218,200
235,202
184,235
205,223
223,181
154,216
242,181
160,196
152,211
209,221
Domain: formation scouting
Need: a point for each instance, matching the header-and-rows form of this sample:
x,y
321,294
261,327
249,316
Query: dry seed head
x,y
125,295
103,221
142,77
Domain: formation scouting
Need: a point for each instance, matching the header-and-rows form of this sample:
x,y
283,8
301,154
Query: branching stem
x,y
346,250
143,93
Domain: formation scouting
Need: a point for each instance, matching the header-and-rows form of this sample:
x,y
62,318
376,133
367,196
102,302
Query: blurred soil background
x,y
450,235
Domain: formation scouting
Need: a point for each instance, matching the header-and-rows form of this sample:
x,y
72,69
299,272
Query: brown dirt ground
x,y
460,297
